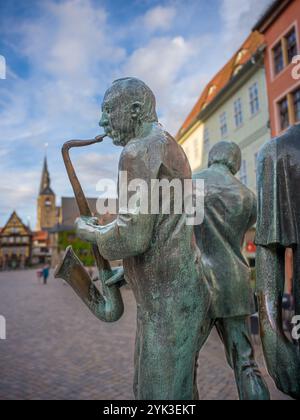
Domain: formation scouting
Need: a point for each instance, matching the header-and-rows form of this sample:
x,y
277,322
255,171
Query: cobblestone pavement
x,y
55,349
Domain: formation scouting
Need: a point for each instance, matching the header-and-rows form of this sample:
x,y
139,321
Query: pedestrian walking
x,y
46,271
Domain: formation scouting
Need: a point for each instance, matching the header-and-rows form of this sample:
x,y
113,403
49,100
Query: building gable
x,y
15,226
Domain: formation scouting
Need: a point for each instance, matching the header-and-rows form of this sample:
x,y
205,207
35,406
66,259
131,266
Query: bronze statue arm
x,y
85,229
128,236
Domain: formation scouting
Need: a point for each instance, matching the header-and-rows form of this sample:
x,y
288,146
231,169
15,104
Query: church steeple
x,y
45,188
46,210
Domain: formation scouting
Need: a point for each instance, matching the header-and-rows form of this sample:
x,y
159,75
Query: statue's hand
x,y
284,366
85,228
117,278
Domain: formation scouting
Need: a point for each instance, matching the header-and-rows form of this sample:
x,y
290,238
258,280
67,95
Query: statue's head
x,y
226,153
127,105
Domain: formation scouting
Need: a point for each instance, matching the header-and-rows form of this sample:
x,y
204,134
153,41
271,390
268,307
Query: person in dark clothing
x,y
46,271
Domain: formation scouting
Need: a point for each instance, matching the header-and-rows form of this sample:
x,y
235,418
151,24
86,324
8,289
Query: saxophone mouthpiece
x,y
100,138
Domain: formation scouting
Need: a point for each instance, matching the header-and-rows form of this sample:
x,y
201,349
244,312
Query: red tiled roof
x,y
40,236
221,79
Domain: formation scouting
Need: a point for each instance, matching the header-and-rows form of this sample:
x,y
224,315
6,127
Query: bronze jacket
x,y
230,210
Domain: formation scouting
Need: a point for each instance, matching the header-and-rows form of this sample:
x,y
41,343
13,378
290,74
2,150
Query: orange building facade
x,y
281,27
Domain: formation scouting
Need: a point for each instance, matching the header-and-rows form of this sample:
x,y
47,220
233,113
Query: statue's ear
x,y
136,109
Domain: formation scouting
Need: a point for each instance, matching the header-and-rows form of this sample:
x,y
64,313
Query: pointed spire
x,y
45,187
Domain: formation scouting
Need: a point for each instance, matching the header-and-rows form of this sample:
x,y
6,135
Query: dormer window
x,y
212,89
240,56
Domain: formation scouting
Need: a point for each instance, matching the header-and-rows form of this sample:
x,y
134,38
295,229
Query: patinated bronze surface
x,y
161,260
108,307
230,210
278,228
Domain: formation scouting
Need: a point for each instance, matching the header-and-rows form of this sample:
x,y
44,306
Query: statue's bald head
x,y
228,154
132,91
128,105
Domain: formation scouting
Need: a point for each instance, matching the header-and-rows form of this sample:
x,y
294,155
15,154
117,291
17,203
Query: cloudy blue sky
x,y
62,55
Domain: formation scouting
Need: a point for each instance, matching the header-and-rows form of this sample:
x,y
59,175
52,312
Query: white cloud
x,y
18,192
238,18
164,64
79,40
159,18
159,62
73,54
93,167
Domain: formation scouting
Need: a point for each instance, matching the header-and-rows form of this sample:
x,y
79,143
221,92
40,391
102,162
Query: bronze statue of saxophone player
x,y
109,306
162,263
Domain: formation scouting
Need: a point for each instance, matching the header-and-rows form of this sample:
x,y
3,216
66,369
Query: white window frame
x,y
254,99
223,125
238,113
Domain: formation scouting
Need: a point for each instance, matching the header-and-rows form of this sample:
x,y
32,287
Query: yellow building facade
x,y
15,244
233,107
